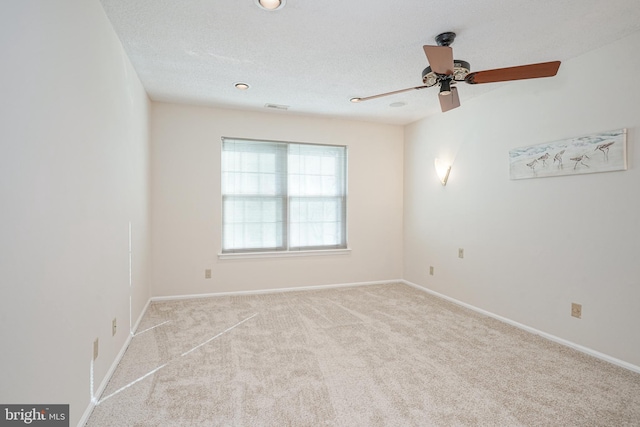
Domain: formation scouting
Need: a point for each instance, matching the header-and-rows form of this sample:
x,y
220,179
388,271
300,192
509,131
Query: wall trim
x,y
273,291
529,329
105,381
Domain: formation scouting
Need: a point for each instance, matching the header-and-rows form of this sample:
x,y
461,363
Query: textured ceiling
x,y
313,56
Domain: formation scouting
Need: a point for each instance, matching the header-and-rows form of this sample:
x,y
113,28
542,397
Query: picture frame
x,y
593,153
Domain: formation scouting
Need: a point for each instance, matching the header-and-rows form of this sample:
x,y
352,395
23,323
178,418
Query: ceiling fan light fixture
x,y
445,88
270,4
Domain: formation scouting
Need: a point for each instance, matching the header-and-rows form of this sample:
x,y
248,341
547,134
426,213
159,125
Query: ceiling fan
x,y
446,71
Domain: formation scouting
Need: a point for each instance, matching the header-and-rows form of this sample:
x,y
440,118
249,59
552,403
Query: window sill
x,y
283,254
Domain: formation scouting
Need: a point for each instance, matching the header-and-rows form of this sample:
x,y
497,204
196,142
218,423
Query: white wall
x,y
534,246
73,174
186,201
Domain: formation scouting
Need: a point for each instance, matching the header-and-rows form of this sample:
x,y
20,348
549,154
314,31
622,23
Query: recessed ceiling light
x,y
241,86
270,4
397,104
355,99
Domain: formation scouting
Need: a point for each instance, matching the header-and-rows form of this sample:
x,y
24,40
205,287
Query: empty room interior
x,y
210,217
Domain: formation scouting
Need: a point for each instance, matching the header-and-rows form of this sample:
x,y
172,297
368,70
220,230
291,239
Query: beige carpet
x,y
382,355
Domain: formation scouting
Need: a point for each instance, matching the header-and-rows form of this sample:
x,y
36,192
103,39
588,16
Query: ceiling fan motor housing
x,y
460,71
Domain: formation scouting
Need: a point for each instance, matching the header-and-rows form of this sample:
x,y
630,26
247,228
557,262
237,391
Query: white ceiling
x,y
313,56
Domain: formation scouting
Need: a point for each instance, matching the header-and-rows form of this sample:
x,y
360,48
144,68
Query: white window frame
x,y
285,249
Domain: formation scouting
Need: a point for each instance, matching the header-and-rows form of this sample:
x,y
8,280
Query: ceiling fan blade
x,y
449,102
367,98
522,72
440,59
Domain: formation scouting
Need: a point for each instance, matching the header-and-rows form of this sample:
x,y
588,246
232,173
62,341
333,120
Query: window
x,y
281,196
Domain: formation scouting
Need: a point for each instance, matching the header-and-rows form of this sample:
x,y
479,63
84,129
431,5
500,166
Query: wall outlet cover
x,y
576,310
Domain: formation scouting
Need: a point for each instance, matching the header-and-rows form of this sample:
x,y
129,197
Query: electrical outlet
x,y
460,253
95,349
576,310
431,270
207,273
114,326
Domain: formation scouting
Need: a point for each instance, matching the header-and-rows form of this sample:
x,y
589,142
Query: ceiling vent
x,y
276,106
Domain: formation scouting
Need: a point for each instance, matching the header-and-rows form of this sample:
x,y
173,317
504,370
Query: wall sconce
x,y
442,170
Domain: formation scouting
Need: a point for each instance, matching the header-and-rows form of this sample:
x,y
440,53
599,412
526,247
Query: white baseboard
x,y
97,393
550,337
271,291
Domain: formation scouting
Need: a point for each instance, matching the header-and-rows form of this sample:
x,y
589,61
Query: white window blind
x,y
280,196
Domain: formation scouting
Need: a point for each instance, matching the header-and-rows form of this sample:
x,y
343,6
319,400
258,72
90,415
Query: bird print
x,y
558,158
580,160
544,159
605,149
532,165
